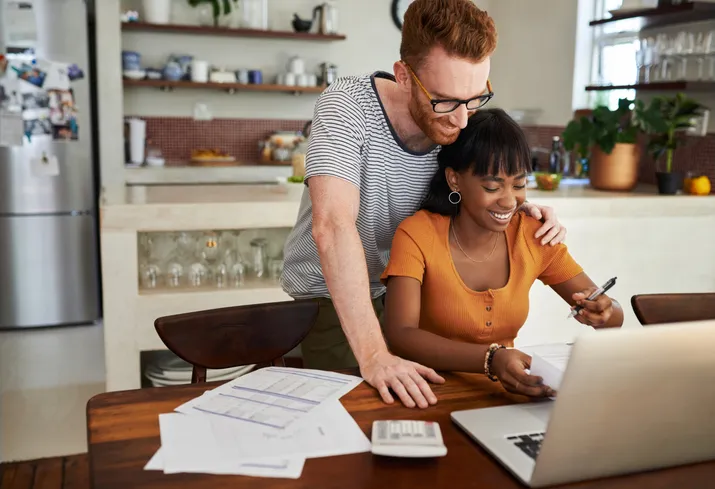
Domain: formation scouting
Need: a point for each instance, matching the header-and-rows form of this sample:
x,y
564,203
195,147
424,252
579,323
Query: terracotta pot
x,y
615,171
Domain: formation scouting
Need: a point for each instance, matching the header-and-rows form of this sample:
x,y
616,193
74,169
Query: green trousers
x,y
326,347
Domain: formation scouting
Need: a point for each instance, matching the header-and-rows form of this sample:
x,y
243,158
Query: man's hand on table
x,y
385,371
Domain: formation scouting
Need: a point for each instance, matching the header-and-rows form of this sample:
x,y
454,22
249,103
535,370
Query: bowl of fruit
x,y
547,181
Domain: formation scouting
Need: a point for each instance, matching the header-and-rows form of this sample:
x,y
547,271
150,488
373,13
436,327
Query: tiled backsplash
x,y
696,155
239,137
177,136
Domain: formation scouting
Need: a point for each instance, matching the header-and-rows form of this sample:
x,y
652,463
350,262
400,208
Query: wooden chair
x,y
673,308
234,336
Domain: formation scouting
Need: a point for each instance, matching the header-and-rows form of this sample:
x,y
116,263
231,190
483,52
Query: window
x,y
614,55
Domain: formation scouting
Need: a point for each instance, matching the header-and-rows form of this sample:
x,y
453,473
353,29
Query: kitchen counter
x,y
193,175
170,207
652,243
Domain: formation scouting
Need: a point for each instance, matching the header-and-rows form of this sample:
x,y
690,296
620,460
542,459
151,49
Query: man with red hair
x,y
371,155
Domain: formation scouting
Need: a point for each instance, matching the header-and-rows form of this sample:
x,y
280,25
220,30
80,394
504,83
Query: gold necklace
x,y
456,239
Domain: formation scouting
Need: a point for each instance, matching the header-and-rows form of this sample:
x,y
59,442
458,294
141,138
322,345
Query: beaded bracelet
x,y
488,360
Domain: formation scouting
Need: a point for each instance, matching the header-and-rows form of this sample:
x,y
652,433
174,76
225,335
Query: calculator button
x,y
382,430
394,431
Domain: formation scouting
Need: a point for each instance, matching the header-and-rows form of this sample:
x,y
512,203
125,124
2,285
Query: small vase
x,y
157,11
229,20
205,15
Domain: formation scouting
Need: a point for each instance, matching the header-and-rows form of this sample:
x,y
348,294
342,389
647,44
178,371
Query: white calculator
x,y
407,439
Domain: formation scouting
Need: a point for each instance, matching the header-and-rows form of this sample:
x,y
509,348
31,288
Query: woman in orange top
x,y
461,268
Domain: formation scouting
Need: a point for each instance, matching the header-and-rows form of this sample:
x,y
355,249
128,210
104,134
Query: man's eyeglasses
x,y
444,106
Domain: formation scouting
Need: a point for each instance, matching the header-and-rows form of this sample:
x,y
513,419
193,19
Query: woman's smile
x,y
502,217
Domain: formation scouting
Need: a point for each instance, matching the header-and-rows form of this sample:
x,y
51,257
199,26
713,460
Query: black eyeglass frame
x,y
483,99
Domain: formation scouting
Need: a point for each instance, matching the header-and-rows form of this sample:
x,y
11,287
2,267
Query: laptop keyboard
x,y
529,444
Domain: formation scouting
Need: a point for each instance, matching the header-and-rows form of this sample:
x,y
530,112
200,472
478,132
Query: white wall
x,y
534,62
372,43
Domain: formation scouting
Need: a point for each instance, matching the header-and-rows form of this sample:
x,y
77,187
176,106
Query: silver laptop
x,y
630,400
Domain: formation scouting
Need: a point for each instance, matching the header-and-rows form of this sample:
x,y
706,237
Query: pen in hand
x,y
601,290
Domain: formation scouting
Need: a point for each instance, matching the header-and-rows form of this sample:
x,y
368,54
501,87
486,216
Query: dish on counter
x,y
546,180
211,156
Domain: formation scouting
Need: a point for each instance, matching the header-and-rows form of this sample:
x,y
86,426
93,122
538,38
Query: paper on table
x,y
288,468
549,362
331,431
273,399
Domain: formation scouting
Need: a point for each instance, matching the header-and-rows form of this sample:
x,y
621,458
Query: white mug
x,y
290,79
303,80
199,71
296,65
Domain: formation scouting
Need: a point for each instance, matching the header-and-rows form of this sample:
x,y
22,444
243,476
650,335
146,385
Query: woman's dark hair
x,y
491,143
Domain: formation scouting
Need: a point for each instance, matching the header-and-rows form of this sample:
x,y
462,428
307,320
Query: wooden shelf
x,y
227,31
702,86
663,16
229,87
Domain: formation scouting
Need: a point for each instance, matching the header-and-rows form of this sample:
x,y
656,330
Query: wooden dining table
x,y
123,434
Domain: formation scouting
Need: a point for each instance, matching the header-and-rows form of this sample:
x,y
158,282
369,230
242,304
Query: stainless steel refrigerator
x,y
49,272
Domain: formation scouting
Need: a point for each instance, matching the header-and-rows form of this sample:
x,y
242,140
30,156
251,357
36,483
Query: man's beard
x,y
440,131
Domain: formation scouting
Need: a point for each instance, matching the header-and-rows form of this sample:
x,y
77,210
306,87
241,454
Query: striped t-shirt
x,y
352,139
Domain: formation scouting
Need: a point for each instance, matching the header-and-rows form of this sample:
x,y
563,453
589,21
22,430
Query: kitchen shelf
x,y
700,86
666,15
229,87
227,31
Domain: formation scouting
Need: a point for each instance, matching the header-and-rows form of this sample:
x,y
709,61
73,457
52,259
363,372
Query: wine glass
x,y
150,271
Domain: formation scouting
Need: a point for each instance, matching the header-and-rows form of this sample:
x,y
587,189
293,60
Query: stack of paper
x,y
265,423
549,362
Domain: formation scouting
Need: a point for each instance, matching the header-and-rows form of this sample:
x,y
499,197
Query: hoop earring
x,y
458,197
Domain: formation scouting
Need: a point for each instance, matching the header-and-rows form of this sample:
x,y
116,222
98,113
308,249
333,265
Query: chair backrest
x,y
673,308
234,336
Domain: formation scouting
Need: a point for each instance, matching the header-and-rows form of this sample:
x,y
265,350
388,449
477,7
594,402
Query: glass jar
x,y
254,14
259,257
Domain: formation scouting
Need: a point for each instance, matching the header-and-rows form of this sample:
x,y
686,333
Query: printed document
x,y
549,362
272,399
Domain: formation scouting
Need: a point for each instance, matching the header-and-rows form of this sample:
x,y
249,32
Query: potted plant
x,y
665,120
610,136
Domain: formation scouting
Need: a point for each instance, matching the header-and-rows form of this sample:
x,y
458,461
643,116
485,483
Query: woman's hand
x,y
508,366
596,312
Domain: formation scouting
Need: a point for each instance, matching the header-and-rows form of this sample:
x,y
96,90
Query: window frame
x,y
601,40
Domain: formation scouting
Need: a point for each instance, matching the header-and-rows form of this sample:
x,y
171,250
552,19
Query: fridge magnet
x,y
3,65
63,115
11,128
57,77
31,74
45,165
74,72
35,100
37,127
